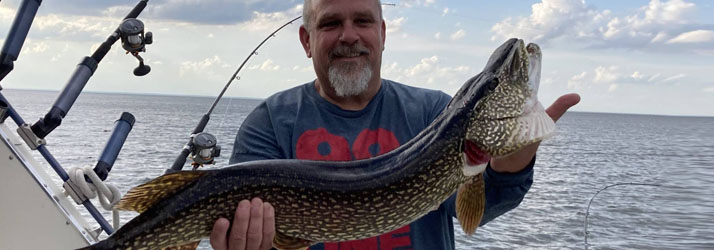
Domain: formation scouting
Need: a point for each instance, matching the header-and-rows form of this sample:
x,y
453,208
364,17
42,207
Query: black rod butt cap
x,y
128,117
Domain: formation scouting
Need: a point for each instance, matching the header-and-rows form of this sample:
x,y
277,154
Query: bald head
x,y
307,12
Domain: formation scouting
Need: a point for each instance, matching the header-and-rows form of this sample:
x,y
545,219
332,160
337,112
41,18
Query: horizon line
x,y
258,98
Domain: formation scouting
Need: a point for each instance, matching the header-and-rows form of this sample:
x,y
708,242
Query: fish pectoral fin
x,y
142,197
470,204
535,125
284,242
189,246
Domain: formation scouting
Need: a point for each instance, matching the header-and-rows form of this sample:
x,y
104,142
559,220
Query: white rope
x,y
108,194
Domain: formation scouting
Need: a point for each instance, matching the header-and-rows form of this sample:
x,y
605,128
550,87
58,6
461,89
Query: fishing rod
x,y
201,146
586,233
133,39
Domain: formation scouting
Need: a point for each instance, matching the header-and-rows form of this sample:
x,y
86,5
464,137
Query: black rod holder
x,y
121,130
18,33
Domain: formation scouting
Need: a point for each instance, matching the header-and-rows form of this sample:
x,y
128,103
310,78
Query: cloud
x,y
659,25
76,28
674,77
413,3
606,75
193,11
6,15
203,66
548,20
578,81
445,11
458,34
614,77
429,70
395,25
271,20
697,36
32,47
437,36
710,90
303,68
267,65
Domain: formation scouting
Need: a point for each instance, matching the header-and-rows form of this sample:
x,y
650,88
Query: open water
x,y
591,151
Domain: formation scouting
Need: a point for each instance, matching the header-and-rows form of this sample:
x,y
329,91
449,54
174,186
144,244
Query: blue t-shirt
x,y
299,124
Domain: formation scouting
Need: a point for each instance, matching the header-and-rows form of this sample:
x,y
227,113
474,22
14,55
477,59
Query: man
x,y
349,112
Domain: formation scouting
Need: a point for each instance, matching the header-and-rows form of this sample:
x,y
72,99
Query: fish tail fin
x,y
471,203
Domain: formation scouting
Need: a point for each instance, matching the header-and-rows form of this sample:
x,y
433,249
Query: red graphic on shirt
x,y
397,239
383,138
308,147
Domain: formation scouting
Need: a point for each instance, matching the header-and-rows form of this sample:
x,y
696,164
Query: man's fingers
x,y
268,226
560,106
219,233
255,227
237,238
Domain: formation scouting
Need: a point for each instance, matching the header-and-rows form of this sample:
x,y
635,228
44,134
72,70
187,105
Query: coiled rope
x,y
108,194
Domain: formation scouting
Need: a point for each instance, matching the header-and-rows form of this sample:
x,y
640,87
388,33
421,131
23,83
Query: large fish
x,y
315,201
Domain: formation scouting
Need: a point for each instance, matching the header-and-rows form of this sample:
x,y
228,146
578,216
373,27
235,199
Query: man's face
x,y
345,42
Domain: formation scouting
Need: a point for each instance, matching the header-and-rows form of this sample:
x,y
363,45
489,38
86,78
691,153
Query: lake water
x,y
591,151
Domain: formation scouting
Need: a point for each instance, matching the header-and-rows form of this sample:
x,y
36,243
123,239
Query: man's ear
x,y
305,40
384,33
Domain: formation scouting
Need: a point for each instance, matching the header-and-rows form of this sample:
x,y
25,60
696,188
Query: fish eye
x,y
492,84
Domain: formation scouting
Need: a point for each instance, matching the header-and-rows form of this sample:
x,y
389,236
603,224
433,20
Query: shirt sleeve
x,y
256,138
504,192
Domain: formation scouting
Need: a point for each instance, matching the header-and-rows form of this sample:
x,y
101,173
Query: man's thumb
x,y
560,106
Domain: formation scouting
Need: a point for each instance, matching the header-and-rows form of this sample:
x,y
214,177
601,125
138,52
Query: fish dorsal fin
x,y
471,203
142,197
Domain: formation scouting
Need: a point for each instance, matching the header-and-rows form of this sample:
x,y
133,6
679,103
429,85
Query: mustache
x,y
344,50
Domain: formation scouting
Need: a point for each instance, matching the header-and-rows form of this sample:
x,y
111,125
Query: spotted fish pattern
x,y
318,201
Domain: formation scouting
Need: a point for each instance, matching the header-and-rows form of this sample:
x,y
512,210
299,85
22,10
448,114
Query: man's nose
x,y
349,34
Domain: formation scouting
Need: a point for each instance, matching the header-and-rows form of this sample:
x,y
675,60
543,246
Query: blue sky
x,y
644,56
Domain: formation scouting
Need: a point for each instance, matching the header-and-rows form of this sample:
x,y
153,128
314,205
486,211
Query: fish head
x,y
504,114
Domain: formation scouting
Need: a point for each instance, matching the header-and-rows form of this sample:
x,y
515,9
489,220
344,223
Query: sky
x,y
636,56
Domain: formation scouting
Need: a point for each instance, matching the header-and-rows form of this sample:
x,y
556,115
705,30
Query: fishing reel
x,y
134,40
204,149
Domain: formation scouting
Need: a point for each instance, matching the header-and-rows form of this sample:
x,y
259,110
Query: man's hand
x,y
253,228
519,160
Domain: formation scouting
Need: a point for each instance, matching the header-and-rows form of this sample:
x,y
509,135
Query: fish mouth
x,y
507,115
475,159
475,155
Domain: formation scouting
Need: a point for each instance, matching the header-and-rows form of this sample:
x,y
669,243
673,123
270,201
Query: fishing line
x,y
236,77
587,211
202,147
225,113
255,52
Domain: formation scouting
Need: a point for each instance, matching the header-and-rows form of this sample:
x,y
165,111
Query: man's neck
x,y
353,103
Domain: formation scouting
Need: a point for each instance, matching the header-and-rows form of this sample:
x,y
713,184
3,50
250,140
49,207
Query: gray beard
x,y
348,80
